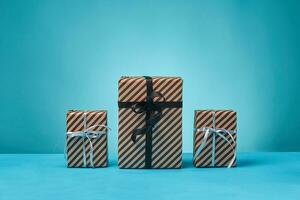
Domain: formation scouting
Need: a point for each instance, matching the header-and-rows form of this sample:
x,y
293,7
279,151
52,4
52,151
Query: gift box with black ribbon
x,y
150,122
215,133
86,144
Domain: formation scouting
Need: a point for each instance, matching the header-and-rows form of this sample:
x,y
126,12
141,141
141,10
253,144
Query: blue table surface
x,y
45,176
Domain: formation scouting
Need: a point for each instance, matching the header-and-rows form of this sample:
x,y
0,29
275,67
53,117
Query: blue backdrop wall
x,y
60,55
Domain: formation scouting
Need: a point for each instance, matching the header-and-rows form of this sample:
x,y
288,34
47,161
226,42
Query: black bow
x,y
154,110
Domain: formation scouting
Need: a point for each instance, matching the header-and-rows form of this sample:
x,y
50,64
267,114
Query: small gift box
x,y
86,144
215,138
150,127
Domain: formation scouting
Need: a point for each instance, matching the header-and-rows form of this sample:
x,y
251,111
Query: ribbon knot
x,y
147,107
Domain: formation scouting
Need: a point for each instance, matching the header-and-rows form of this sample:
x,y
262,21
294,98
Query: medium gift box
x,y
215,133
86,144
150,122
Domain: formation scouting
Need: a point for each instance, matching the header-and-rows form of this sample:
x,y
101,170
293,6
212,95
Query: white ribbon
x,y
217,132
89,134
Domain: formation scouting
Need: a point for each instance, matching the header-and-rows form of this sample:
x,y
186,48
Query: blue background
x,y
60,55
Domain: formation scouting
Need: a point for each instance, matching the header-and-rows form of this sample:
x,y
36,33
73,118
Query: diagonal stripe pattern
x,y
167,133
225,119
75,122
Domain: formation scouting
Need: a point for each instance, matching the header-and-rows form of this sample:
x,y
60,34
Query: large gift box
x,y
215,138
86,138
150,122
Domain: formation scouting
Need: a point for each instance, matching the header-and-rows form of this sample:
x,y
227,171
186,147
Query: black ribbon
x,y
153,112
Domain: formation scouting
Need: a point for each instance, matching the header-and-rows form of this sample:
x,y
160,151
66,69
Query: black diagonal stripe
x,y
79,124
171,89
170,85
164,141
199,139
167,161
139,160
69,140
137,92
221,153
101,147
134,151
121,84
167,148
103,121
207,156
129,142
142,94
222,123
222,141
141,164
220,144
170,164
200,116
163,81
123,117
161,133
227,128
178,164
128,90
129,125
77,139
127,113
165,117
122,111
176,117
166,88
226,163
79,161
140,140
166,112
75,121
134,158
103,163
206,151
199,136
167,143
157,85
70,116
129,122
77,154
224,157
219,112
163,157
206,147
128,145
76,151
123,89
93,118
177,95
104,149
204,122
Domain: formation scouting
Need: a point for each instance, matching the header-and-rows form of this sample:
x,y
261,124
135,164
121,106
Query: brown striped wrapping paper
x,y
166,137
74,147
225,119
